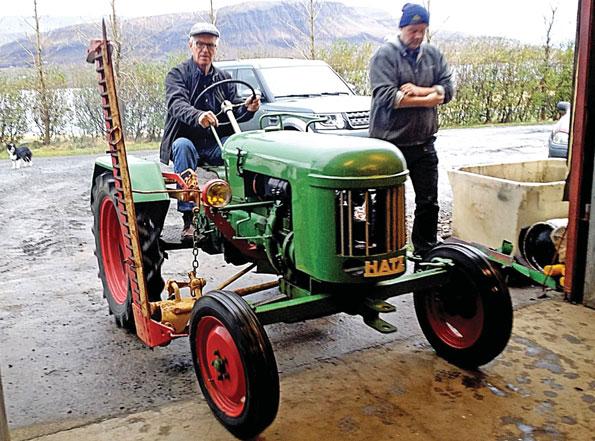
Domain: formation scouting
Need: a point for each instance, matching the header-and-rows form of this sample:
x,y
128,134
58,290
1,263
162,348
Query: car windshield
x,y
297,81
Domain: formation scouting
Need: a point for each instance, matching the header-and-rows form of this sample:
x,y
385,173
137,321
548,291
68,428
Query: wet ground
x,y
542,387
62,358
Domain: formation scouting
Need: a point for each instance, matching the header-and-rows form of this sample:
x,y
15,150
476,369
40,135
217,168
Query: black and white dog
x,y
19,154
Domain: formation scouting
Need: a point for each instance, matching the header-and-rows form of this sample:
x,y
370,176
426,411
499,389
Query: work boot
x,y
188,230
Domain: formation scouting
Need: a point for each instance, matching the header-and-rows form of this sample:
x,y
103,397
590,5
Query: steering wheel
x,y
219,95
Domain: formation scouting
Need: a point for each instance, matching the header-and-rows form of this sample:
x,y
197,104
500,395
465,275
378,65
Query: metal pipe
x,y
256,288
401,235
236,276
388,219
227,107
342,220
394,225
247,205
350,225
367,222
216,136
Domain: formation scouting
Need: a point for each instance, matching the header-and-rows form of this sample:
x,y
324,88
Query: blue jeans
x,y
186,156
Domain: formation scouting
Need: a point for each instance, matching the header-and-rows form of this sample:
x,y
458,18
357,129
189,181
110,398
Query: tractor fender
x,y
145,177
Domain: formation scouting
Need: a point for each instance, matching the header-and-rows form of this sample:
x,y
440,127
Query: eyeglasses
x,y
200,46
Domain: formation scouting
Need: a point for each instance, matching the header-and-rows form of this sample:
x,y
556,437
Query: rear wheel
x,y
110,252
234,363
468,321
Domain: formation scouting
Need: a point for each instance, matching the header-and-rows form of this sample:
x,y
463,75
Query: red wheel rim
x,y
112,251
456,320
221,366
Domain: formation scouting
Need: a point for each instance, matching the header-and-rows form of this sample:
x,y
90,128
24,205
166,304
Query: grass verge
x,y
93,147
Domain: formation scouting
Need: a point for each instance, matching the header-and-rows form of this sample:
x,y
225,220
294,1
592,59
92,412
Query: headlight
x,y
333,121
560,138
216,193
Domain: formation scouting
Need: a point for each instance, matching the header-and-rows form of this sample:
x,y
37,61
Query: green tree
x,y
51,110
499,81
42,100
351,62
14,103
86,109
142,97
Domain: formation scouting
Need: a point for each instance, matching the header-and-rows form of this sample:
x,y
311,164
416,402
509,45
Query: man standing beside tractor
x,y
188,140
409,80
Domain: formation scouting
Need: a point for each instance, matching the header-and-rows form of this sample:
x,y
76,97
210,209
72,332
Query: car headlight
x,y
560,138
333,121
216,193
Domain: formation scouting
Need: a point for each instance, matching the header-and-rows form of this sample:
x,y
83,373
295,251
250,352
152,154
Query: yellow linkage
x,y
176,310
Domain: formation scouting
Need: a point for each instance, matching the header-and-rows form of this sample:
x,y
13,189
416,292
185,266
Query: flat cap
x,y
203,27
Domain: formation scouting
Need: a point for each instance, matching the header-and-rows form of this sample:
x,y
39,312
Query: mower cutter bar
x,y
149,331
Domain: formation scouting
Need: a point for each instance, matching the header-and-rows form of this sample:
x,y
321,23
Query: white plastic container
x,y
493,202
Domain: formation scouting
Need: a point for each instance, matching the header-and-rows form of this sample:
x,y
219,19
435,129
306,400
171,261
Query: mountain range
x,y
249,29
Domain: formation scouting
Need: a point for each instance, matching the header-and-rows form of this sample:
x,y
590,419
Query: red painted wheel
x,y
456,317
221,366
234,363
110,246
468,321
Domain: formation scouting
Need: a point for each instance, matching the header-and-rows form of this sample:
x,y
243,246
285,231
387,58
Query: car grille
x,y
370,221
358,120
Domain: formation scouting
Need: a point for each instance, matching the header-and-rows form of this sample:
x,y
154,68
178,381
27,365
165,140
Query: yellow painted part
x,y
554,270
175,313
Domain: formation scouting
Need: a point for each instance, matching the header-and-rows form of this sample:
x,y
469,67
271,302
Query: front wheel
x,y
468,321
234,363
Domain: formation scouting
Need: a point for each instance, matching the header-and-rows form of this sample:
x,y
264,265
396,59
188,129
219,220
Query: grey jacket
x,y
389,69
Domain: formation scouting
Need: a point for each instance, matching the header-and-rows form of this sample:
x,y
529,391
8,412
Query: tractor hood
x,y
323,160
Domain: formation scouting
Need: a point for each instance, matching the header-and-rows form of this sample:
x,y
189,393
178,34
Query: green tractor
x,y
324,213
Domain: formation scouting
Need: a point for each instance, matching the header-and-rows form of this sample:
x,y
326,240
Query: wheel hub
x,y
457,319
458,305
220,365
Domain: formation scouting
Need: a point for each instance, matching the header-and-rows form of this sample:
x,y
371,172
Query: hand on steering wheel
x,y
207,119
252,103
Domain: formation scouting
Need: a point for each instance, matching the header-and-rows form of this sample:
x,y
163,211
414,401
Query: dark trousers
x,y
422,162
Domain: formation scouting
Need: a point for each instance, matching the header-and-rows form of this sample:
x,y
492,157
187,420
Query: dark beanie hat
x,y
414,14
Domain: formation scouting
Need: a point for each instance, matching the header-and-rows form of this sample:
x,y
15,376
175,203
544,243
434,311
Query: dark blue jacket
x,y
183,85
389,70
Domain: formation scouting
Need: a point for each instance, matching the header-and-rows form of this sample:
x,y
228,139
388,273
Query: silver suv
x,y
309,87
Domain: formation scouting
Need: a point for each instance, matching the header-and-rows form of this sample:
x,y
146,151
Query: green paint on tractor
x,y
144,175
317,168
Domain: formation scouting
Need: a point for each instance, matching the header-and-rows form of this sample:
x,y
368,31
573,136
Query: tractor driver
x,y
187,139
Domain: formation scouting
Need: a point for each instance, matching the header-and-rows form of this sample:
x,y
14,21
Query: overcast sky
x,y
520,19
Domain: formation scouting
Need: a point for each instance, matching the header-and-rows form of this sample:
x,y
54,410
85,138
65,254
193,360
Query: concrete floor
x,y
541,388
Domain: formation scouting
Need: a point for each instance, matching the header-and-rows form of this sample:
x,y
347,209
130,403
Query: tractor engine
x,y
316,208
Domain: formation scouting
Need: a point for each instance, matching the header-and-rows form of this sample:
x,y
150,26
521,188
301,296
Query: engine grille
x,y
359,120
370,221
